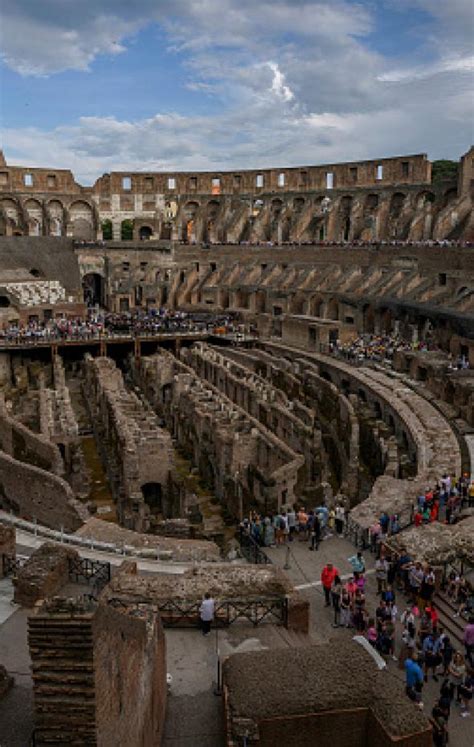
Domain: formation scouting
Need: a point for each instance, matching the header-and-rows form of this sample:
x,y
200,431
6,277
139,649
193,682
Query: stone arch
x,y
12,211
298,204
371,203
5,302
424,198
368,318
189,221
93,286
34,216
397,204
126,230
107,230
145,233
55,215
152,493
449,196
81,220
332,309
315,306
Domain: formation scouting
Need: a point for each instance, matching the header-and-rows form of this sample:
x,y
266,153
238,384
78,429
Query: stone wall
x,y
45,572
32,493
25,446
239,458
137,452
99,675
360,200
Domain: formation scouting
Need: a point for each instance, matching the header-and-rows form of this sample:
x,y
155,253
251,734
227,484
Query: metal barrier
x,y
250,549
89,571
176,613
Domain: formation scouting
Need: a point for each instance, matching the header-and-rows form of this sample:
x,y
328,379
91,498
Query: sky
x,y
117,85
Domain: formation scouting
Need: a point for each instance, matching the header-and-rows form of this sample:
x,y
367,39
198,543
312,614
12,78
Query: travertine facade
x,y
388,198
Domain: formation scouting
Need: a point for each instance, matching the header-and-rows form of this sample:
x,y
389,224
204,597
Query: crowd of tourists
x,y
405,605
382,348
107,324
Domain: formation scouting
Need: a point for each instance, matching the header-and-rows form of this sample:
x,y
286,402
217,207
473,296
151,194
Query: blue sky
x,y
214,84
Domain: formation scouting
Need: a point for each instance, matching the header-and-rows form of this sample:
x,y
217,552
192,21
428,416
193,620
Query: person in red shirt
x,y
434,511
418,518
328,575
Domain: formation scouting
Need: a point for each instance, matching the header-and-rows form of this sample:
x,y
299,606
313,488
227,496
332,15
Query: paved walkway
x,y
305,571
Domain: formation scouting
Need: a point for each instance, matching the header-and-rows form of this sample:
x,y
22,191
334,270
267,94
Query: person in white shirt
x,y
206,613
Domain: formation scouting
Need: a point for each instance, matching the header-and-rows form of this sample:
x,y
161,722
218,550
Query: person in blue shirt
x,y
413,678
357,562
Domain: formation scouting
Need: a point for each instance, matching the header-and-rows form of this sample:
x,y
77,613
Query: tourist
x,y
268,532
465,690
468,640
372,632
291,517
315,531
206,613
439,722
413,678
447,653
456,674
328,575
302,518
340,516
357,562
427,588
336,592
359,613
345,605
381,571
415,577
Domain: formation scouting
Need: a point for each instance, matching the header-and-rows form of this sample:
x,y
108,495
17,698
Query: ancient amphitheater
x,y
185,359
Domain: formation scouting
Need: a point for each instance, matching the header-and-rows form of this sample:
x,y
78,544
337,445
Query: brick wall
x,y
99,675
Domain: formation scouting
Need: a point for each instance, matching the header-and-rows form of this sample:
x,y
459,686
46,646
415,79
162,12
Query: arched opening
x,y
81,218
396,204
107,230
153,497
332,309
166,231
34,272
369,318
145,233
4,302
126,230
93,289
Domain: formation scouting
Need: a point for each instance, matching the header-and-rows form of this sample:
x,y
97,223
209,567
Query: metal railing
x,y
94,572
250,549
175,613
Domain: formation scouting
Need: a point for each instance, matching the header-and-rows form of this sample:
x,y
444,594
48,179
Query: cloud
x,y
448,65
292,82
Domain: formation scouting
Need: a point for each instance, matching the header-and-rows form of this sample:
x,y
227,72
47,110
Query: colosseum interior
x,y
180,353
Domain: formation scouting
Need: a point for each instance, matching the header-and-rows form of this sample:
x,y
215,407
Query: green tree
x,y
107,230
127,230
444,169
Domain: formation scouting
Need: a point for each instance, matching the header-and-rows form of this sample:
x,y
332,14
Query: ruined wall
x,y
103,682
391,197
25,446
43,575
32,493
238,457
137,452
